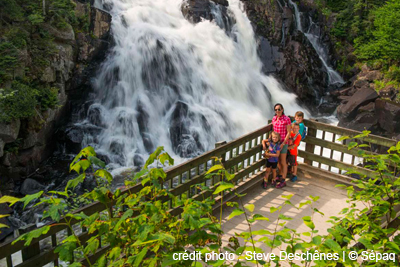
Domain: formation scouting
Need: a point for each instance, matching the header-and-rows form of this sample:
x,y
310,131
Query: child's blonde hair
x,y
299,114
277,134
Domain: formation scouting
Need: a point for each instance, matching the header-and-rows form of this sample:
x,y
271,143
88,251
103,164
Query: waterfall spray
x,y
169,82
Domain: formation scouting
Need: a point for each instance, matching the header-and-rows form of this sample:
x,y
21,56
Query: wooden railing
x,y
322,149
241,156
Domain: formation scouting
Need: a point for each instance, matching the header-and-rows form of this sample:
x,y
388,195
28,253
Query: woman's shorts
x,y
284,149
272,164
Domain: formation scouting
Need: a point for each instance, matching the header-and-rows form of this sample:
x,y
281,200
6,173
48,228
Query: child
x,y
299,117
272,155
294,142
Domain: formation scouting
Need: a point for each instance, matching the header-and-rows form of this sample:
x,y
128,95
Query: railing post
x,y
218,144
33,249
309,147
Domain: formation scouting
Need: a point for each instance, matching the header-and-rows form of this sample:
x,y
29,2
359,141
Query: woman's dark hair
x,y
279,104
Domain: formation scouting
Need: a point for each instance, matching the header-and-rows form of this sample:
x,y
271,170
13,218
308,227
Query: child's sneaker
x,y
265,185
275,181
294,179
281,184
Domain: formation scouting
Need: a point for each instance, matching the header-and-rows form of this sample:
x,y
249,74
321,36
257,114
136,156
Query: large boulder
x,y
100,23
30,186
388,116
360,98
1,148
9,131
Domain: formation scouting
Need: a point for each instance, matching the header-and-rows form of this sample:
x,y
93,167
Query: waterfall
x,y
172,83
313,35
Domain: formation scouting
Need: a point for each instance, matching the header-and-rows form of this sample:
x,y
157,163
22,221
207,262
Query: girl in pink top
x,y
282,125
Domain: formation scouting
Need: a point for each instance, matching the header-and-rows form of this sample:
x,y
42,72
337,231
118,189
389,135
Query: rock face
x,y
294,59
363,108
70,70
196,10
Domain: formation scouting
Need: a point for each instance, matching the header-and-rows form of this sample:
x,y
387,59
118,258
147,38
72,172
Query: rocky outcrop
x,y
25,144
362,107
294,59
196,10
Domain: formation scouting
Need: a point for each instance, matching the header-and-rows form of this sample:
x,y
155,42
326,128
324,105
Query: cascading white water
x,y
169,82
334,77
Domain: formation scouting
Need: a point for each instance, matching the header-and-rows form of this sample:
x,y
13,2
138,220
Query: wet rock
x,y
373,75
272,59
65,35
368,108
4,232
95,116
138,161
360,98
100,23
361,83
30,186
388,115
196,10
9,131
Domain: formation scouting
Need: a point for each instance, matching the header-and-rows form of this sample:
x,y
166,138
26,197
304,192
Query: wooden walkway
x,y
332,200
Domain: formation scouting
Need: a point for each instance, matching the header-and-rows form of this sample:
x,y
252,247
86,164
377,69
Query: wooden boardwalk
x,y
332,200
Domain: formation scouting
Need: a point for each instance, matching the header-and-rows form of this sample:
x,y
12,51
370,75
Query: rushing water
x,y
313,35
181,85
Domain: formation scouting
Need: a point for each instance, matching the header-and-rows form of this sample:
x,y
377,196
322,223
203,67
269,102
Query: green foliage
x,y
8,61
385,35
141,227
17,102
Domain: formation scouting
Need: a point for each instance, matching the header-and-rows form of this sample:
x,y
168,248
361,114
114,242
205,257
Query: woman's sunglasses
x,y
278,109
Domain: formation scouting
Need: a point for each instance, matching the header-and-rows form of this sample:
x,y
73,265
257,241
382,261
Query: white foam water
x,y
181,85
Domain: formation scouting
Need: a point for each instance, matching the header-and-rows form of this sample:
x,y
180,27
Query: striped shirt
x,y
280,125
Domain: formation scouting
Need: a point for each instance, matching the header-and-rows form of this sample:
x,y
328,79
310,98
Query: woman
x,y
282,125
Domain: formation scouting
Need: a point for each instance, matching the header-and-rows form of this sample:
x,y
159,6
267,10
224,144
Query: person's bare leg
x,y
273,174
267,174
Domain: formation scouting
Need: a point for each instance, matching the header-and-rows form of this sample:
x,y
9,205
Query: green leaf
x,y
123,218
166,157
343,138
80,165
28,237
317,240
115,253
66,250
74,182
215,168
366,243
249,207
283,217
317,210
259,217
351,145
9,199
96,161
222,187
29,198
140,256
332,244
92,245
307,221
229,176
104,174
153,156
393,246
235,212
272,209
288,197
4,225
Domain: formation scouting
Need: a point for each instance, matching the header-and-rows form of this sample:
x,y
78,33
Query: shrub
x,y
17,102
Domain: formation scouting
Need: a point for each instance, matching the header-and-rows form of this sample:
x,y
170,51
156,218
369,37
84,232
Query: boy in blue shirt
x,y
299,117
